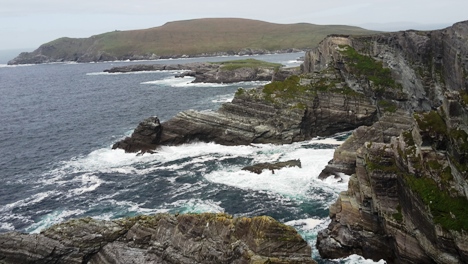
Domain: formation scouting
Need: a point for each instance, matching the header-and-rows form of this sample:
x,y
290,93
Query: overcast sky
x,y
26,24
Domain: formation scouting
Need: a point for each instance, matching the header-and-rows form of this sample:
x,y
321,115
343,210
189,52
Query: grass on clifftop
x,y
288,88
247,63
373,70
450,212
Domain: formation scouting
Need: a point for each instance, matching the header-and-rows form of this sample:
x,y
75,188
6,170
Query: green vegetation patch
x,y
247,63
464,97
449,212
387,106
431,122
325,85
461,139
398,215
366,66
287,89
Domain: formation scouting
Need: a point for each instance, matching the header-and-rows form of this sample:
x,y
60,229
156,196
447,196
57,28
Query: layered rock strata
x,y
407,197
280,112
203,238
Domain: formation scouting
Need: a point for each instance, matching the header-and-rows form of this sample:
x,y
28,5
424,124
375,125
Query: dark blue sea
x,y
59,121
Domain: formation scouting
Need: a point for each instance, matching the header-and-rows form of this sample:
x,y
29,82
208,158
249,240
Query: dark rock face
x,y
259,168
144,138
204,238
408,194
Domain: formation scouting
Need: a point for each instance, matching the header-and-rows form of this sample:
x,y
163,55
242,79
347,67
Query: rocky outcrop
x,y
144,137
202,238
407,196
280,112
260,167
344,158
215,72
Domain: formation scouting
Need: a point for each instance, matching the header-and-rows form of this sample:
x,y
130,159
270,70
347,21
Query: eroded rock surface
x,y
203,238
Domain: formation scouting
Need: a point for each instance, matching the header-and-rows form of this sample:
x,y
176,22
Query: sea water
x,y
59,121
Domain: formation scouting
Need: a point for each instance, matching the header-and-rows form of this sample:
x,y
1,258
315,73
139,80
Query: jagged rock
x,y
145,137
344,158
259,168
162,238
407,199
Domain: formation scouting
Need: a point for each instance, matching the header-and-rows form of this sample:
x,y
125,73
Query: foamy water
x,y
60,120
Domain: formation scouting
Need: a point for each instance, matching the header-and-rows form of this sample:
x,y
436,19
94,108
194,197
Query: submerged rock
x,y
259,168
162,238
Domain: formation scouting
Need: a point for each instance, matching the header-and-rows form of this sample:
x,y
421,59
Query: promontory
x,y
189,38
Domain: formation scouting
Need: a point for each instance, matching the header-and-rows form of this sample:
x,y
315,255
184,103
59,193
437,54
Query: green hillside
x,y
191,37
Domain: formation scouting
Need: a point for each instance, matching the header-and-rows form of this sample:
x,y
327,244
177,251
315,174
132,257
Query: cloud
x,y
38,19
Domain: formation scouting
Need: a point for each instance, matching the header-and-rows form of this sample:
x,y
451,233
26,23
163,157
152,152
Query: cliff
x,y
203,238
190,38
407,197
280,112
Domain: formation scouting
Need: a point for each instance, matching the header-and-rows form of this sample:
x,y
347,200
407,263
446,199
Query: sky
x,y
26,24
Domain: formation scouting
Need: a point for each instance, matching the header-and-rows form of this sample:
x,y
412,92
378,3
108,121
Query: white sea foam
x,y
88,183
223,98
15,66
34,199
194,206
172,81
6,226
356,259
187,81
52,218
327,141
292,182
305,224
135,72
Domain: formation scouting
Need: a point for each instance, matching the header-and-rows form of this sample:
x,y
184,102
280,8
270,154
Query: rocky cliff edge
x,y
407,197
162,238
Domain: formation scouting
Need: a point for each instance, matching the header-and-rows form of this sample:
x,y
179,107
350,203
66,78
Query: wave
x,y
356,259
187,81
52,218
226,98
135,72
34,199
15,66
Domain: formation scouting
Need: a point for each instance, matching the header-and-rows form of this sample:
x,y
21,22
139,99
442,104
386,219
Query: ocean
x,y
59,121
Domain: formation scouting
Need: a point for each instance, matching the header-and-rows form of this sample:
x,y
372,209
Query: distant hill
x,y
198,37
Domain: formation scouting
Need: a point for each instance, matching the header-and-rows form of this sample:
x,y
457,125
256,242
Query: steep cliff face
x,y
407,197
202,238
